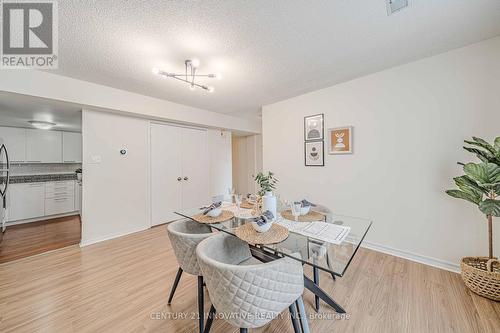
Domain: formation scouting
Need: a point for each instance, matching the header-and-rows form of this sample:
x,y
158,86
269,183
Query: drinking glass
x,y
296,210
237,199
231,191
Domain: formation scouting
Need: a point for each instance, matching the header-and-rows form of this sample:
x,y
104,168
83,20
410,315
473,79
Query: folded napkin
x,y
213,206
306,203
266,217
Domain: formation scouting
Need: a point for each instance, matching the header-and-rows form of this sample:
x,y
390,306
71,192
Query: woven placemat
x,y
276,234
246,205
309,217
224,216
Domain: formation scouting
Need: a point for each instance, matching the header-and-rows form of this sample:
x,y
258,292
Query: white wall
x,y
219,146
116,190
91,95
409,123
116,198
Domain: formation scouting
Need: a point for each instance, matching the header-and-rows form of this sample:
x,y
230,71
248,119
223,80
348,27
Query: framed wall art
x,y
314,154
340,140
313,127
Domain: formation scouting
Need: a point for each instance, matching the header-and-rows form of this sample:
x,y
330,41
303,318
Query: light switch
x,y
95,159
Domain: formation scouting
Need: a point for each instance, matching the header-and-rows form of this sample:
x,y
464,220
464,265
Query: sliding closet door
x,y
165,171
195,168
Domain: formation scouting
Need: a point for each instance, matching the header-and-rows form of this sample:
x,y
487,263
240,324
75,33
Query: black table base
x,y
266,256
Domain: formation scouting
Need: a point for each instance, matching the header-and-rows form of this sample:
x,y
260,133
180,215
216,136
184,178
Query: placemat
x,y
224,216
276,234
246,205
309,217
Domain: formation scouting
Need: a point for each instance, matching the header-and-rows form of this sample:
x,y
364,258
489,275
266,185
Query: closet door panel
x,y
165,171
195,168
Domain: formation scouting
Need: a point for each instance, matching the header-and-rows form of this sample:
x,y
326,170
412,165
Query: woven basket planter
x,y
482,276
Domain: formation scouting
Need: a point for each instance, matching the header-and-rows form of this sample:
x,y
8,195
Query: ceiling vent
x,y
394,6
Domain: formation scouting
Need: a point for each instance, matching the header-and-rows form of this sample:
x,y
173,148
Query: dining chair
x,y
248,293
184,236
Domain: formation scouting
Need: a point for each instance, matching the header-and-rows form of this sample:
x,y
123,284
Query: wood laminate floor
x,y
122,285
24,240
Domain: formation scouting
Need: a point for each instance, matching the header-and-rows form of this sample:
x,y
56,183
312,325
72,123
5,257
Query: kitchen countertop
x,y
19,179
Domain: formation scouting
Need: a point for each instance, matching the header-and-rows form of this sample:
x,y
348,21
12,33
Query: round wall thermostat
x,y
123,151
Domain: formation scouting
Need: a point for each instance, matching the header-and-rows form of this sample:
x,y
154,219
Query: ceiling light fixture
x,y
189,76
45,125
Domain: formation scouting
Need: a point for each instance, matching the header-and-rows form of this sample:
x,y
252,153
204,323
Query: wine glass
x,y
296,206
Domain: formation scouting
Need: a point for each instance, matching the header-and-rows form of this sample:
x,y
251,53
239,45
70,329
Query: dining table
x,y
320,254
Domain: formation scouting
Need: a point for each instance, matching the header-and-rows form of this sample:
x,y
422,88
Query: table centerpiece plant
x,y
267,183
481,186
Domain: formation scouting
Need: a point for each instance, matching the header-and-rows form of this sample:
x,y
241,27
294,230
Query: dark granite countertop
x,y
41,178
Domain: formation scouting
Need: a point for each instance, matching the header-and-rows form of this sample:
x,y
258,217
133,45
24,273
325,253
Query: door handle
x,y
186,178
179,179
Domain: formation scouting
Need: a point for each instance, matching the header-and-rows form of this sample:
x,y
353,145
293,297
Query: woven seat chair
x,y
184,236
249,294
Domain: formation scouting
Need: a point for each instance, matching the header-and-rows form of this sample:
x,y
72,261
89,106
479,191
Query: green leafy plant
x,y
267,182
481,182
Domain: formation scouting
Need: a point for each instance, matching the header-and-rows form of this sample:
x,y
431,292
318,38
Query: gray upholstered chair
x,y
184,236
249,293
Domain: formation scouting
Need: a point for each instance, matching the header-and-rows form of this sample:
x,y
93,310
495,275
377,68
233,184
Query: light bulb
x,y
218,76
210,89
156,71
195,62
192,87
45,125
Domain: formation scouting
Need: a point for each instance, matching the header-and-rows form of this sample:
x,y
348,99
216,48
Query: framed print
x,y
314,153
340,140
313,127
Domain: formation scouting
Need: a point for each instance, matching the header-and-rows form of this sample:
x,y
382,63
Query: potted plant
x,y
481,186
78,174
267,183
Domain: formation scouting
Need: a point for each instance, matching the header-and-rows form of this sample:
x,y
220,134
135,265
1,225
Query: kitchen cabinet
x,y
59,205
72,147
43,146
179,170
15,140
26,201
38,200
78,197
59,197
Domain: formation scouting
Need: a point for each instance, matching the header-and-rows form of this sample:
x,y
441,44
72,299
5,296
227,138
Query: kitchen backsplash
x,y
42,168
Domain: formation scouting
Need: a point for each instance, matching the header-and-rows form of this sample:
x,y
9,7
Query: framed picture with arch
x,y
314,153
313,128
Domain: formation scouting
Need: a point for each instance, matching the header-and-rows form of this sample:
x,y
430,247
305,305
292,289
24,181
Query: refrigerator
x,y
4,185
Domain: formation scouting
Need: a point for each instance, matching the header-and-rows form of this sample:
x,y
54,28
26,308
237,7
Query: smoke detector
x,y
394,6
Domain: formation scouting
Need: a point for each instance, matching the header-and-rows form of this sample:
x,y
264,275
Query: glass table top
x,y
330,257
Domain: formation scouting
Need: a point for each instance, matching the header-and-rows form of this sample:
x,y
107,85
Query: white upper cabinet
x,y
43,146
72,147
15,141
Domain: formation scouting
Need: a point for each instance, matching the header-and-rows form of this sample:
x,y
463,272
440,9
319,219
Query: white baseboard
x,y
446,265
112,236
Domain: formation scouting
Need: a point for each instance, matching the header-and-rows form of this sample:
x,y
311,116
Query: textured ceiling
x,y
16,110
266,50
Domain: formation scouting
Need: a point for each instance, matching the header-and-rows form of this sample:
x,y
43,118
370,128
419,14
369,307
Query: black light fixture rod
x,y
189,82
